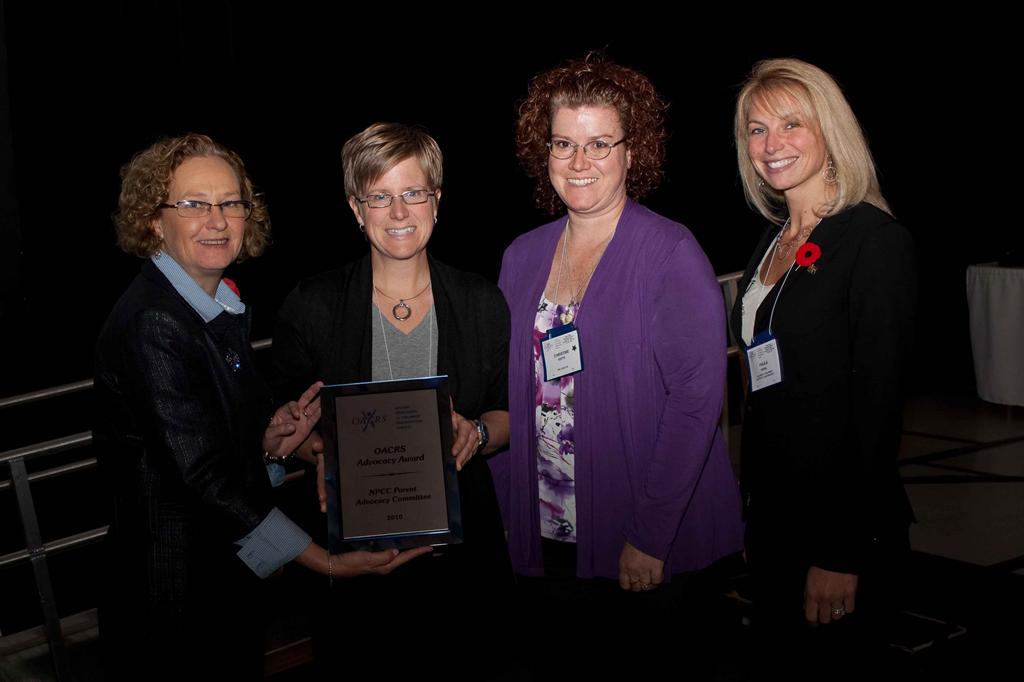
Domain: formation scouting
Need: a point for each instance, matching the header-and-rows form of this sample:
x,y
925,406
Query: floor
x,y
962,461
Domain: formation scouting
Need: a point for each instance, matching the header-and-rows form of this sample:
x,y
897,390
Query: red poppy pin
x,y
234,287
807,255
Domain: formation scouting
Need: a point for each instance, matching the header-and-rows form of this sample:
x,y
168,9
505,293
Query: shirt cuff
x,y
276,473
272,544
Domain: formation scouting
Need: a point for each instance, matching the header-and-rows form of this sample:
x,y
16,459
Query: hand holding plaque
x,y
390,476
466,440
359,562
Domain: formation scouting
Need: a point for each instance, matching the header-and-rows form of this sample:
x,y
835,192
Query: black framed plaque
x,y
390,475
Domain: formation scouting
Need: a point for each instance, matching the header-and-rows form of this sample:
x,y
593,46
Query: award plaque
x,y
390,475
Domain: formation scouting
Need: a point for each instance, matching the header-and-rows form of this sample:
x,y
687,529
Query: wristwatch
x,y
482,434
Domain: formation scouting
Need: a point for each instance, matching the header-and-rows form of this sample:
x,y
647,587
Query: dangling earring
x,y
362,228
830,173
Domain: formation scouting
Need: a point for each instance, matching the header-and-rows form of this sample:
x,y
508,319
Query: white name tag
x,y
764,361
561,352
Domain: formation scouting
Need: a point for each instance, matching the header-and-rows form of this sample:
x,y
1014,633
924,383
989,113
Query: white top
x,y
995,302
752,298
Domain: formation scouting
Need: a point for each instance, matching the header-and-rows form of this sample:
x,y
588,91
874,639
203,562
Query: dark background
x,y
82,89
286,87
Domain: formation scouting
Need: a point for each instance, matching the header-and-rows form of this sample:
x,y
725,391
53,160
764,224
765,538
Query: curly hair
x,y
146,180
593,81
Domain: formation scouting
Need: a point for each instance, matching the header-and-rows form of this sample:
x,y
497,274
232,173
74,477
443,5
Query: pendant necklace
x,y
401,310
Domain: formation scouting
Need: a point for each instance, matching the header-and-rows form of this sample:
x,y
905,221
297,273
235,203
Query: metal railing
x,y
730,291
36,551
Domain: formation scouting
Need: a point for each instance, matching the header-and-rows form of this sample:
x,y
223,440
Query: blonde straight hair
x,y
790,87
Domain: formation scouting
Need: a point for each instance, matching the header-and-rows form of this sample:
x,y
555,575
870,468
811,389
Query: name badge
x,y
764,361
561,352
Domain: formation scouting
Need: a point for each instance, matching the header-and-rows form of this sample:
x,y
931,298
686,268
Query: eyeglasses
x,y
190,208
595,149
383,199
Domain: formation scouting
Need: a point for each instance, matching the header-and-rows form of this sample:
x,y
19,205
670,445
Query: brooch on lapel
x,y
807,255
232,357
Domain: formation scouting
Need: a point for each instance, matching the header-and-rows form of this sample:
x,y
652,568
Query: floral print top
x,y
555,445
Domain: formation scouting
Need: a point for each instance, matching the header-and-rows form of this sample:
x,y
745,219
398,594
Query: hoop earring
x,y
830,174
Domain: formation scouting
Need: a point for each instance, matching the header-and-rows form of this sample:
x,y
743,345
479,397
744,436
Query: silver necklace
x,y
576,299
402,305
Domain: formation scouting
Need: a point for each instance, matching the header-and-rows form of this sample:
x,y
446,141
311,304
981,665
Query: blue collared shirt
x,y
276,540
207,307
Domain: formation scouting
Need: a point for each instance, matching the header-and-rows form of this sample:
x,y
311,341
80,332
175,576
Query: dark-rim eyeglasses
x,y
383,199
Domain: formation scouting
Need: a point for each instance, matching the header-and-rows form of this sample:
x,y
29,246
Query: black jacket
x,y
819,449
324,331
180,413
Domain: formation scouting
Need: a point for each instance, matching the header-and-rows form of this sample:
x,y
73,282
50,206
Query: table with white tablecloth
x,y
995,301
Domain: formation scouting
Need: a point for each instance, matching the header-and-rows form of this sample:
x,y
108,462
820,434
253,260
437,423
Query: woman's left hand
x,y
292,423
639,572
467,440
828,595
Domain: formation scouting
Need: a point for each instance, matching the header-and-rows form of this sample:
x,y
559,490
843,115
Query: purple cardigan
x,y
651,463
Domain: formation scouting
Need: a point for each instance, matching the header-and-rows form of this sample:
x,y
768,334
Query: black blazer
x,y
180,413
819,449
324,331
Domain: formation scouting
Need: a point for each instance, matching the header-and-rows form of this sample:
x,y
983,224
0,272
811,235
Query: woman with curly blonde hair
x,y
182,429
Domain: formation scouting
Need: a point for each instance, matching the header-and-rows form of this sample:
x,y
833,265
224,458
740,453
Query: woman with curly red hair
x,y
617,477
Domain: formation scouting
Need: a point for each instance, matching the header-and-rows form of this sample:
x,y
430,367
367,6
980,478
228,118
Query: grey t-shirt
x,y
404,356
